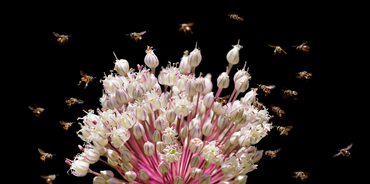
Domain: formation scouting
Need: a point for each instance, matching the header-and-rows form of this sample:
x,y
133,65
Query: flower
x,y
130,175
172,153
233,55
106,177
151,59
184,66
194,58
143,175
205,179
149,148
196,145
223,80
210,151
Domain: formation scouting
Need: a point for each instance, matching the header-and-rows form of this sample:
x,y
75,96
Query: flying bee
x,y
303,74
235,17
258,105
303,47
136,36
344,152
186,27
222,100
49,178
61,38
37,110
85,78
266,89
302,175
45,155
178,139
277,110
66,124
73,101
277,50
284,130
289,93
272,154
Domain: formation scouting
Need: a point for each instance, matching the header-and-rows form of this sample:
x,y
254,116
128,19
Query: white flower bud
x,y
122,67
195,145
240,179
195,172
143,175
222,122
122,96
167,138
148,148
257,156
138,130
112,155
160,146
184,66
194,162
113,181
207,164
208,83
194,58
240,73
233,55
207,129
200,84
130,175
218,108
249,97
113,163
190,87
98,180
245,140
106,174
242,84
151,59
195,131
91,154
223,80
156,136
208,99
184,132
234,138
178,180
170,116
126,155
140,113
159,123
79,168
163,167
126,166
205,179
138,91
226,145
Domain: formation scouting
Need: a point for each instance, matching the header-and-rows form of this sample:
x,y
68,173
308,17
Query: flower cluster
x,y
182,136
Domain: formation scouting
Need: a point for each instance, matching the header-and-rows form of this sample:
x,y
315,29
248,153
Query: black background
x,y
321,123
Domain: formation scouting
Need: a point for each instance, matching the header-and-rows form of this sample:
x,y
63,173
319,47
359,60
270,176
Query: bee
x,y
66,124
186,27
178,139
136,36
277,110
303,74
344,152
85,78
289,93
37,110
303,47
45,155
235,17
272,154
258,105
266,89
49,178
73,101
277,50
302,175
61,38
222,100
284,130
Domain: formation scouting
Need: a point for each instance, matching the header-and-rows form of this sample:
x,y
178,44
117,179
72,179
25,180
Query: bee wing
x,y
62,122
225,97
56,34
337,154
36,106
348,147
284,51
82,73
308,172
285,88
142,33
288,128
190,24
277,151
271,87
46,176
80,101
31,108
271,46
41,152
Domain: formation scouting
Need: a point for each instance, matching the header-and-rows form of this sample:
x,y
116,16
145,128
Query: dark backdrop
x,y
321,125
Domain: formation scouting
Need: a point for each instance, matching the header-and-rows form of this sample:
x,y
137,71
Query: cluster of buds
x,y
182,136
